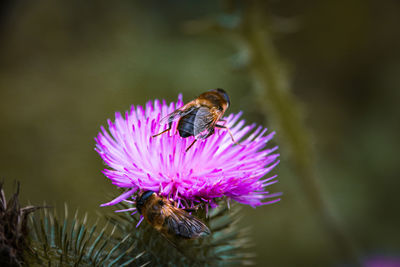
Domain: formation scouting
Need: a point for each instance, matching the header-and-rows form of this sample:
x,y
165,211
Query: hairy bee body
x,y
202,114
169,220
199,117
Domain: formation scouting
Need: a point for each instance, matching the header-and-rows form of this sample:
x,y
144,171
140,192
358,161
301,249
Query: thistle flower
x,y
213,168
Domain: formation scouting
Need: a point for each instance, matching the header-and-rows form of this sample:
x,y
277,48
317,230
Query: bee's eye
x,y
160,202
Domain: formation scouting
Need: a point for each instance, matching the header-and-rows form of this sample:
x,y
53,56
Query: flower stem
x,y
285,113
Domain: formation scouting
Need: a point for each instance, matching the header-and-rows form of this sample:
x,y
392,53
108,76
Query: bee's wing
x,y
177,114
204,123
184,225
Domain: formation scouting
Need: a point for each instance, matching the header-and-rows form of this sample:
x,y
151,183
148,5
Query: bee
x,y
165,217
199,117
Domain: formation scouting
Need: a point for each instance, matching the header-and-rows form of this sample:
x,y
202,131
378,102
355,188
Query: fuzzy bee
x,y
199,117
169,220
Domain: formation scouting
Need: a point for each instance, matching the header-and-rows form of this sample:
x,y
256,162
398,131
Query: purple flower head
x,y
213,168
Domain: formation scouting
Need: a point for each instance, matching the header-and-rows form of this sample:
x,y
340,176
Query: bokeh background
x,y
66,66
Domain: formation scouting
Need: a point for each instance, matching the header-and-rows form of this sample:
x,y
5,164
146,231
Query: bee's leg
x,y
194,141
162,132
222,120
229,131
195,208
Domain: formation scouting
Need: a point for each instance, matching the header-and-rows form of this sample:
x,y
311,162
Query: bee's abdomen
x,y
186,124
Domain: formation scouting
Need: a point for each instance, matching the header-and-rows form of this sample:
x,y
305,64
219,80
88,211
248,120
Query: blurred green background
x,y
67,66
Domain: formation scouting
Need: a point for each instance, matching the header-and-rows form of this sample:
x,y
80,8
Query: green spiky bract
x,y
226,246
73,242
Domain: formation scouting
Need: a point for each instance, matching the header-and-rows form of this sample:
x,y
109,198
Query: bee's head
x,y
224,95
141,200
